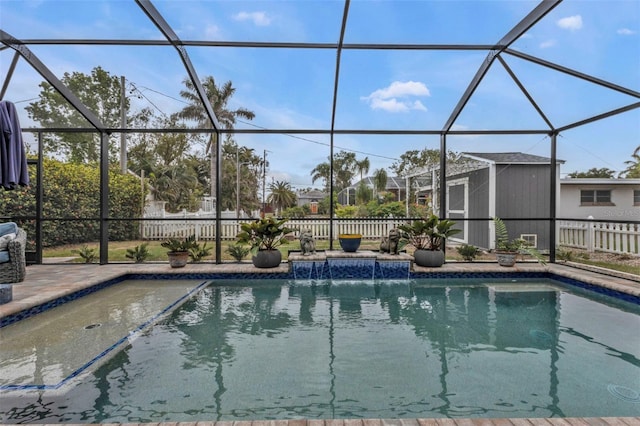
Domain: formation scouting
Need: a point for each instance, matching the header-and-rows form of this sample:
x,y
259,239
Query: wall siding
x,y
479,207
522,191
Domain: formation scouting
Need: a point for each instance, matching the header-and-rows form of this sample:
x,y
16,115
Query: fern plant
x,y
516,245
139,253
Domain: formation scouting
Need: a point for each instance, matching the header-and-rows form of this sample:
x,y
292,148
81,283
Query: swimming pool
x,y
241,350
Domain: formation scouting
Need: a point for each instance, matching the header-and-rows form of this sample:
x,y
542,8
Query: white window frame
x,y
528,237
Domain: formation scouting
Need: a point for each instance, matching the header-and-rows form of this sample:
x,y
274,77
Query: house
x,y
599,199
311,197
505,185
395,185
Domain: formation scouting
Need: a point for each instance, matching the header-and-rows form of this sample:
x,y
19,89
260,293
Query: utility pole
x,y
123,124
237,183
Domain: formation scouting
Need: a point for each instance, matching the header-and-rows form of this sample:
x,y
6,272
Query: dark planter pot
x,y
429,258
178,259
267,259
506,258
350,242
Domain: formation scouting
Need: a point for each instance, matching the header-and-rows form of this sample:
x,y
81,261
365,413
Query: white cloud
x,y
258,18
626,31
547,44
394,98
570,22
212,31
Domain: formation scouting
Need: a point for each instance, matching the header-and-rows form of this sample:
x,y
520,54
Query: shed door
x,y
457,206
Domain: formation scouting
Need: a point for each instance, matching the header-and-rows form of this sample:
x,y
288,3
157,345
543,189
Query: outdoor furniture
x,y
12,258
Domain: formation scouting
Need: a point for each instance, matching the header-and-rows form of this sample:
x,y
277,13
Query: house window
x,y
530,240
595,197
636,197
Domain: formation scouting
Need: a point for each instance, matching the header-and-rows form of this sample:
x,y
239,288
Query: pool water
x,y
243,350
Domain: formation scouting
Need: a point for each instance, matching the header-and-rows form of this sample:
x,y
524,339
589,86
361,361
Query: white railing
x,y
600,236
373,229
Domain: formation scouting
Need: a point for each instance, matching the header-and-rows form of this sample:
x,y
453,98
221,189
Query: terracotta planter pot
x,y
267,259
429,258
350,242
178,259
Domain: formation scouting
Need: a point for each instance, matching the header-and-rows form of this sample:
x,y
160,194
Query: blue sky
x,y
378,89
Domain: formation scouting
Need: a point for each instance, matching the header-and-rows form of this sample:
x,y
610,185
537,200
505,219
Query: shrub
x,y
468,252
139,253
238,252
89,255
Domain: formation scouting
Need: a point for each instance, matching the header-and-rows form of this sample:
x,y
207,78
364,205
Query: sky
x,y
381,89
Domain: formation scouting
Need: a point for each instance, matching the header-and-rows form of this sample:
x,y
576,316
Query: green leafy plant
x,y
139,253
89,255
198,252
468,252
515,245
267,233
238,252
564,255
429,233
177,245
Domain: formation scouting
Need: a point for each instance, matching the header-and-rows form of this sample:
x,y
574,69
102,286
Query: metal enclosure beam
x,y
336,81
574,73
41,68
534,16
7,80
164,27
525,91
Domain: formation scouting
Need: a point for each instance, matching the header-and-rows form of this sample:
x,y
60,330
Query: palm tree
x,y
219,98
281,196
380,180
633,166
322,171
363,166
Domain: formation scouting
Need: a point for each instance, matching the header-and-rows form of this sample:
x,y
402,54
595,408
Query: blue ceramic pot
x,y
350,242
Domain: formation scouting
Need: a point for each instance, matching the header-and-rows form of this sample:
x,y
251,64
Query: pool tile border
x,y
34,310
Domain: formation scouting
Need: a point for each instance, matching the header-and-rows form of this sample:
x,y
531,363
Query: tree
x,y
344,167
243,161
380,180
100,92
219,97
415,159
281,195
363,166
322,171
363,193
594,173
633,166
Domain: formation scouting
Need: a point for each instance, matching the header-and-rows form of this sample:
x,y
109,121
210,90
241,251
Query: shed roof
x,y
509,157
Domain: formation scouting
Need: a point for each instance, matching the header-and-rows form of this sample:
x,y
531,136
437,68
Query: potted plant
x,y
507,249
264,236
179,250
350,242
428,237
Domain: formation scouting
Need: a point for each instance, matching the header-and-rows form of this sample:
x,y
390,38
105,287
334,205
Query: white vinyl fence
x,y
374,229
600,236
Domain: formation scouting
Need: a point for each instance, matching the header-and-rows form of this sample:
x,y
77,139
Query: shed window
x,y
530,240
595,197
636,197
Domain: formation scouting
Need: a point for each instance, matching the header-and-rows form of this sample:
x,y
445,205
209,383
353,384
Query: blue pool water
x,y
268,349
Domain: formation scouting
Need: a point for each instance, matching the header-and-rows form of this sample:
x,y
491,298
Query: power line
x,y
265,128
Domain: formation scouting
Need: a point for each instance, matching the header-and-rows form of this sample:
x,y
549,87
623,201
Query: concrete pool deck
x,y
46,282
